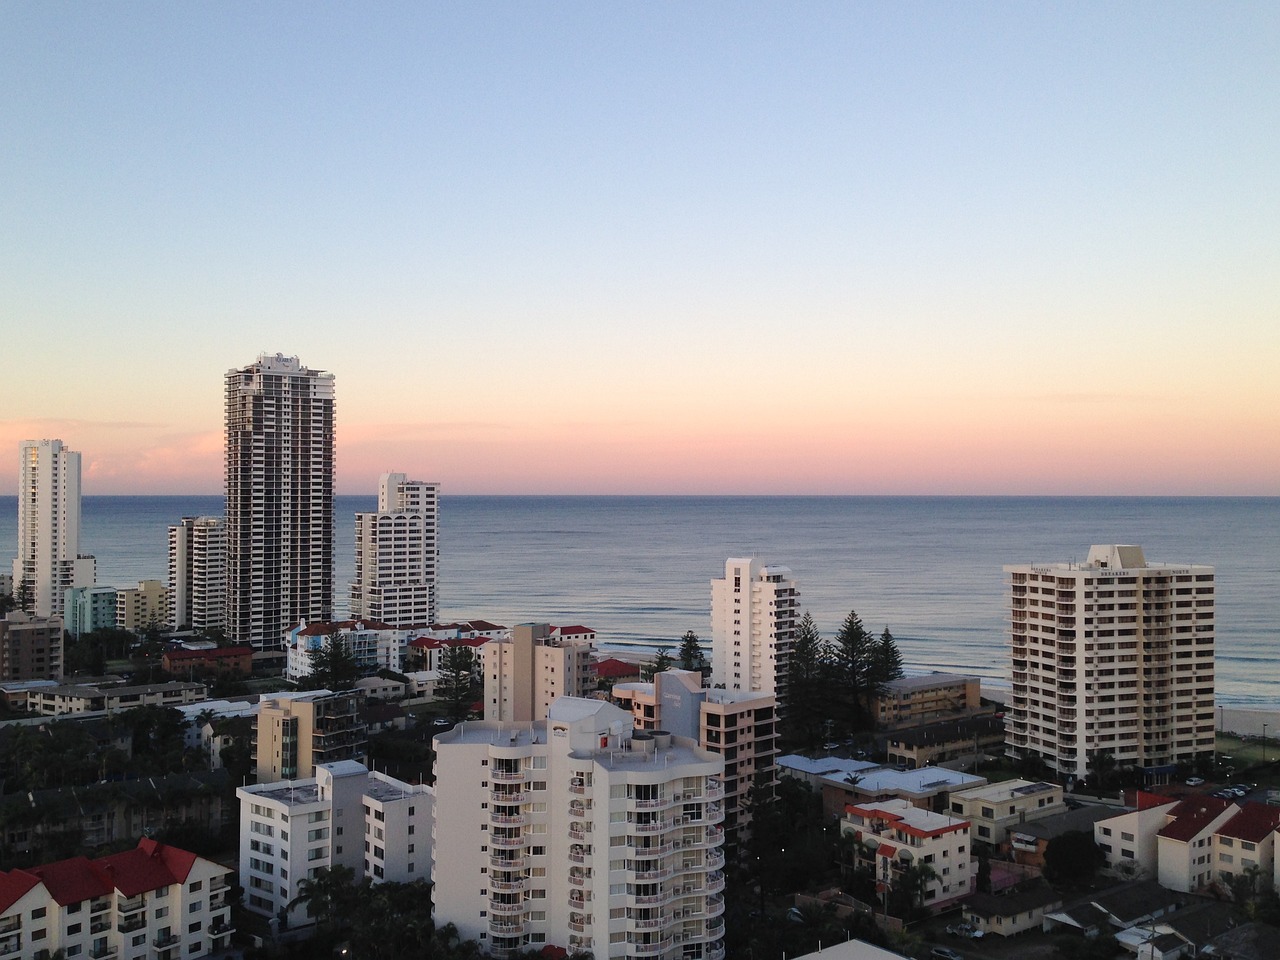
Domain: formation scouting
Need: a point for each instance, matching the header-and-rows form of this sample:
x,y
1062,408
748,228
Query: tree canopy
x,y
333,665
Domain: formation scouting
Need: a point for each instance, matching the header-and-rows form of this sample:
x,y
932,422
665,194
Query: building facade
x,y
30,647
296,732
48,561
86,609
911,700
375,646
741,727
279,500
396,553
197,573
754,610
144,607
290,830
892,836
526,672
1111,655
154,902
582,833
993,810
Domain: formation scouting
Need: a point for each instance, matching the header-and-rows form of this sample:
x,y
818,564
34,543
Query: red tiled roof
x,y
1145,801
1254,823
1192,816
221,653
70,881
465,626
14,886
432,643
177,860
324,629
886,851
613,667
572,631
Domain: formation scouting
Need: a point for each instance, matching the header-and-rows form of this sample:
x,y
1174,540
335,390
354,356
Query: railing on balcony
x,y
650,949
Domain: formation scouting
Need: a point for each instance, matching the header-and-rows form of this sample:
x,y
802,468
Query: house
x,y
909,700
1012,911
1115,909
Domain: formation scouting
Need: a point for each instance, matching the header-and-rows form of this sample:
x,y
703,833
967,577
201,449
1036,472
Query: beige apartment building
x,y
1114,654
295,732
579,832
996,808
911,700
754,610
30,647
143,607
736,724
538,663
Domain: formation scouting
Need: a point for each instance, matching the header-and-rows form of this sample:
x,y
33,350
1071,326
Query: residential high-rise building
x,y
396,554
296,732
754,610
197,573
579,832
739,725
144,607
1113,655
48,561
538,663
30,647
279,509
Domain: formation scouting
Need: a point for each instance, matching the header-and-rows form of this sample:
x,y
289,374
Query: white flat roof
x,y
923,781
821,765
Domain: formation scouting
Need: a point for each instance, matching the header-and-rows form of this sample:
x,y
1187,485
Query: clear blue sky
x,y
670,247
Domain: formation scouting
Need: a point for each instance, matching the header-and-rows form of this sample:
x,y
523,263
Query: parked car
x,y
945,953
1243,788
1195,781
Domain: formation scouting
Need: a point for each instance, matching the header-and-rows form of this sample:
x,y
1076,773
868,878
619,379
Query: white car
x,y
1195,781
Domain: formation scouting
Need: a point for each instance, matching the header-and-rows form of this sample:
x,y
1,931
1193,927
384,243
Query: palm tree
x,y
328,896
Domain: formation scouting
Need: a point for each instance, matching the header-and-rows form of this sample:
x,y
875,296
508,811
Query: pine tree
x,y
853,669
662,662
457,676
691,656
887,663
808,698
333,665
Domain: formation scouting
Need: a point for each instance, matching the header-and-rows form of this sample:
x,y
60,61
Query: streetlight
x,y
1264,743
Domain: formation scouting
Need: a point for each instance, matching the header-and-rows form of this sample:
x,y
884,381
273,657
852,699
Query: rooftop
x,y
1193,816
1004,790
929,681
923,782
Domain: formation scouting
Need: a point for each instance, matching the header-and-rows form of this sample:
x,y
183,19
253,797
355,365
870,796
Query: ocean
x,y
637,569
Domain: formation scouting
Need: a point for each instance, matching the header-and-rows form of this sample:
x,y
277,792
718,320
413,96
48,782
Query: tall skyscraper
x,y
396,554
279,514
48,562
197,573
753,618
1113,655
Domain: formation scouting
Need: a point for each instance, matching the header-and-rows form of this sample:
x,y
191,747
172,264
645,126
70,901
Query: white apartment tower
x,y
581,833
279,513
753,617
526,672
1111,655
48,561
396,553
197,573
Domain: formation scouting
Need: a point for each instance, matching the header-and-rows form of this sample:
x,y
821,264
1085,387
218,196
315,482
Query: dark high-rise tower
x,y
279,510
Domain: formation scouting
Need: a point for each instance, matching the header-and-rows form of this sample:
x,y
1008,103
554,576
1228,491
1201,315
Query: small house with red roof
x,y
155,901
612,670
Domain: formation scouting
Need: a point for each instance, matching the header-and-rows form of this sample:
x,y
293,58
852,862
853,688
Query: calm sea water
x,y
637,569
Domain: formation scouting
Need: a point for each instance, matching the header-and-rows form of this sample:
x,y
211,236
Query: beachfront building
x,y
580,832
144,607
375,646
296,732
85,609
396,554
893,836
279,499
994,809
913,700
1113,655
197,573
754,609
154,902
290,830
48,561
735,724
30,647
525,672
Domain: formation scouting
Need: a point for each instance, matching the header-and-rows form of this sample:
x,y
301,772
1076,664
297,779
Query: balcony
x,y
651,826
506,863
506,843
650,876
506,886
647,923
502,907
10,944
509,819
508,776
714,952
102,953
650,949
510,798
506,928
131,924
165,941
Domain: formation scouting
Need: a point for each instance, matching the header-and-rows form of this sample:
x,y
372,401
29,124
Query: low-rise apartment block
x,y
581,832
537,664
375,646
346,816
913,700
1185,847
893,836
208,662
296,732
935,743
997,808
154,902
929,788
89,698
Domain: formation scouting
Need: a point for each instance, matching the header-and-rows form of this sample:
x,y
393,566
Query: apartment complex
x,y
85,609
754,610
894,836
524,673
396,553
296,732
1114,654
911,700
279,502
154,902
375,646
579,832
30,647
995,809
346,816
48,561
143,607
739,726
76,698
197,573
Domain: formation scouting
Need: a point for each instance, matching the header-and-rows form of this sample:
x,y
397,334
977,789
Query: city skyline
x,y
706,249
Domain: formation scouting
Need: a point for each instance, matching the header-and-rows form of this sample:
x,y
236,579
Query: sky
x,y
820,248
